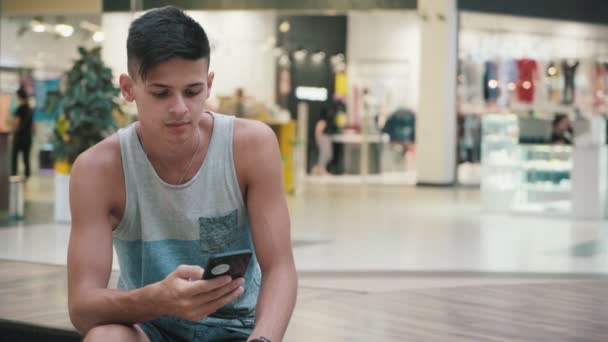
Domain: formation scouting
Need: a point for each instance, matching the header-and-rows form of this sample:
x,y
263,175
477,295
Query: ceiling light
x,y
337,59
339,67
300,55
284,60
284,26
64,30
38,26
318,57
98,36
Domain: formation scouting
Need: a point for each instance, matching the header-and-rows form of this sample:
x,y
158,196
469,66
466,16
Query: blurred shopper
x,y
562,130
323,139
401,126
239,103
23,129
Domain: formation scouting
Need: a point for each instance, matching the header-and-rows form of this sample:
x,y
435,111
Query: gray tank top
x,y
164,225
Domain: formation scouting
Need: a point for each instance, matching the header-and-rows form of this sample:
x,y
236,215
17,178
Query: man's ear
x,y
210,78
126,87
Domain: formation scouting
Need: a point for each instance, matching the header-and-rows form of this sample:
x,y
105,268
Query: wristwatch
x,y
260,339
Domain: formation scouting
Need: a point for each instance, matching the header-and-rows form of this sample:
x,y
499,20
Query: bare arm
x,y
90,253
269,219
91,303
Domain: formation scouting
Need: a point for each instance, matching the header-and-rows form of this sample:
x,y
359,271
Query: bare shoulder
x,y
255,148
252,133
98,172
102,158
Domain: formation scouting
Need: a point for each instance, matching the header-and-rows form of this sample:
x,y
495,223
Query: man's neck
x,y
170,157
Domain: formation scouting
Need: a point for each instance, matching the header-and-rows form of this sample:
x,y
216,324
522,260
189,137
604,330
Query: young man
x,y
171,190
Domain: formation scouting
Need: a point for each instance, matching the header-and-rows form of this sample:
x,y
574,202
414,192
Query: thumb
x,y
189,272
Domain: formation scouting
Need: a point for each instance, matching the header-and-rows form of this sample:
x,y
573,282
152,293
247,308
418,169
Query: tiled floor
x,y
374,228
383,263
411,309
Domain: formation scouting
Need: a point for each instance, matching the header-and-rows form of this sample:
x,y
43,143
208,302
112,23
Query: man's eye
x,y
190,93
161,95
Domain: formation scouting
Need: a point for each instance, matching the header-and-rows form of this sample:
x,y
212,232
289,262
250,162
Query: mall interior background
x,y
442,117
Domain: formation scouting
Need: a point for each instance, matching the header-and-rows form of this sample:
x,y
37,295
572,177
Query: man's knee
x,y
114,332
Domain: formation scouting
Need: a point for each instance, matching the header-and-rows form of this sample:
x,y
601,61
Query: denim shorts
x,y
171,329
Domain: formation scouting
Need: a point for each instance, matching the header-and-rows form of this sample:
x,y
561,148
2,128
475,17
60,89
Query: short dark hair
x,y
21,93
557,119
162,34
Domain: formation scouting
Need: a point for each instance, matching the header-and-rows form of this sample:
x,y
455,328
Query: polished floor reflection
x,y
360,228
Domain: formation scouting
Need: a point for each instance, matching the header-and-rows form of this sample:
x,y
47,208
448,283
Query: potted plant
x,y
87,118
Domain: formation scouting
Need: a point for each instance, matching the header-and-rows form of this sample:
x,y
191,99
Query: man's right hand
x,y
196,299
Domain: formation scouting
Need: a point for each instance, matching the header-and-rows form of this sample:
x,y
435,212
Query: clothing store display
x,y
527,74
599,77
553,74
569,70
507,81
490,81
606,79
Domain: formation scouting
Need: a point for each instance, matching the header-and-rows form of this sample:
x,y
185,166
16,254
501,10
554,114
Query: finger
x,y
207,297
217,304
189,272
204,286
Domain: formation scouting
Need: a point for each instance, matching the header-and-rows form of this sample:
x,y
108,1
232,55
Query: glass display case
x,y
499,161
545,179
522,177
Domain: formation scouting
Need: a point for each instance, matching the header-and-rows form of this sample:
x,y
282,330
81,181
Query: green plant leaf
x,y
87,106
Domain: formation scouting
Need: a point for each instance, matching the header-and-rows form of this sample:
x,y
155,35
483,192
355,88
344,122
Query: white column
x,y
589,182
436,117
590,169
114,47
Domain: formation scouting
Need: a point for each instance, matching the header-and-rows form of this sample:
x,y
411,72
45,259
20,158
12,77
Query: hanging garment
x,y
507,81
605,64
490,82
598,79
569,69
525,86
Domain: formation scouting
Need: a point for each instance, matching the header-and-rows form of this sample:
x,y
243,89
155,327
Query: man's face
x,y
170,102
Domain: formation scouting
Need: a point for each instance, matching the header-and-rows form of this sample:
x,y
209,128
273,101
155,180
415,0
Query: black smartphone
x,y
233,264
